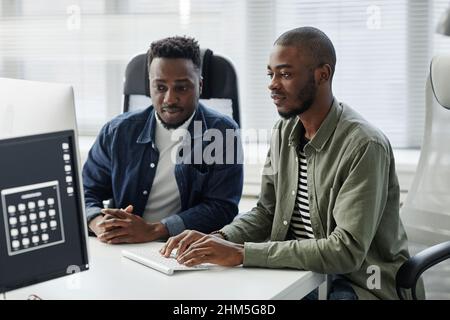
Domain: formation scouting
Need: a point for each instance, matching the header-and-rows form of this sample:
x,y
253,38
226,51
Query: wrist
x,y
92,225
159,230
220,234
241,252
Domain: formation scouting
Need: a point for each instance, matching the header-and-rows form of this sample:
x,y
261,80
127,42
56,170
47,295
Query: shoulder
x,y
358,132
127,121
216,119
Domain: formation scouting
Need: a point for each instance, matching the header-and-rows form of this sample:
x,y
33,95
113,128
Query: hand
x,y
195,248
181,241
130,228
94,224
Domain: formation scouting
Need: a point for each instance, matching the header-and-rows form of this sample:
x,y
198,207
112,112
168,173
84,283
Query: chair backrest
x,y
426,211
220,86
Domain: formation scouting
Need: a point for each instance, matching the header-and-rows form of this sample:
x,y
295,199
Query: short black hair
x,y
314,41
175,47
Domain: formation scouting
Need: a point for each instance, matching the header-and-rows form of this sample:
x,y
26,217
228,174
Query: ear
x,y
324,73
200,85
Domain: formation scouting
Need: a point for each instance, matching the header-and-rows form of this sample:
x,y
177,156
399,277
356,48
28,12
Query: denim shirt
x,y
122,163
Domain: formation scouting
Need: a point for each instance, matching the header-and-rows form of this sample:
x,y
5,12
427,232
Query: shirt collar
x,y
325,131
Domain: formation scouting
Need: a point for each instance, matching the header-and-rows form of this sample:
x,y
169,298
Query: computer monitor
x,y
29,111
42,225
32,107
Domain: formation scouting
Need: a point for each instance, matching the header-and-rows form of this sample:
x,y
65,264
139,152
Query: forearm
x,y
254,226
336,254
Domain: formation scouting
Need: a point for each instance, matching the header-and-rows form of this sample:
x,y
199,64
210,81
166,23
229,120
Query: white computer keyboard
x,y
155,260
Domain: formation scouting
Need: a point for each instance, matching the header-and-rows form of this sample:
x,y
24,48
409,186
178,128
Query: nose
x,y
170,97
274,84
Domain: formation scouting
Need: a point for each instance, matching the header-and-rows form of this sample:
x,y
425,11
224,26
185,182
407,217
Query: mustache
x,y
171,107
276,94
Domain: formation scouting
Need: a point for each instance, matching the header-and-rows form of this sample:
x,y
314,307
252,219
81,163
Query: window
x,y
383,47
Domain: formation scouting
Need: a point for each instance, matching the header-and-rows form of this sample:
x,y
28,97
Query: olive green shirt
x,y
353,201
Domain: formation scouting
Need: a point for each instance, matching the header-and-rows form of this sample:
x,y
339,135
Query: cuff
x,y
174,224
256,254
92,212
232,235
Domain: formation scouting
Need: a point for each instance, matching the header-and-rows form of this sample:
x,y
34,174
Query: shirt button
x,y
152,165
293,192
285,222
145,192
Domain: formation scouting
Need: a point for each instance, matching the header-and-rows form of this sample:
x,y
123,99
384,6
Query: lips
x,y
277,98
171,110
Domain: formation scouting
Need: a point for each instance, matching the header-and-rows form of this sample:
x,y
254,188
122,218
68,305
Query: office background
x,y
384,49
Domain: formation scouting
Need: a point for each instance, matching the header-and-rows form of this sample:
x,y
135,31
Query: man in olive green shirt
x,y
340,216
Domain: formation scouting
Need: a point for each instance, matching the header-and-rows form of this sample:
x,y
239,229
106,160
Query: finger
x,y
122,239
108,229
118,213
113,234
182,246
194,253
192,241
104,218
171,244
100,238
114,222
198,260
129,208
186,242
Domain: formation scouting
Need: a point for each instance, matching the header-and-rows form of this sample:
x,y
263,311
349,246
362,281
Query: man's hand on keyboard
x,y
195,248
129,228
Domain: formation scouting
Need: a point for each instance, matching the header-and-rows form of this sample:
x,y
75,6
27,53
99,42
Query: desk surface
x,y
113,277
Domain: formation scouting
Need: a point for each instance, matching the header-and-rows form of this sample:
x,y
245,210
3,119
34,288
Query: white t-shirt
x,y
164,199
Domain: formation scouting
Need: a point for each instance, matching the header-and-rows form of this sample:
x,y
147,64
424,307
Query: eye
x,y
270,75
160,88
285,75
182,88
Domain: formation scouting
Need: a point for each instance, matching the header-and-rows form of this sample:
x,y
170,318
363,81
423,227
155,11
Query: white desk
x,y
113,277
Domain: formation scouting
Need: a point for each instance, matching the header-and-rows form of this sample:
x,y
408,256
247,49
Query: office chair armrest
x,y
410,271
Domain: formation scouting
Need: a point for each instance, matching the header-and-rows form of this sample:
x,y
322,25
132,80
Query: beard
x,y
170,126
306,95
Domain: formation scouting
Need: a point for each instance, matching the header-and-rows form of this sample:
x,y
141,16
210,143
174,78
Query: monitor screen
x,y
42,225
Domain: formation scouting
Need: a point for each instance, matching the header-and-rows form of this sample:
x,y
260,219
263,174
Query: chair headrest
x,y
440,79
205,58
136,75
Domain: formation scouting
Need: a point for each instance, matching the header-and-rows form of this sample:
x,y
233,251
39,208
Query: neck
x,y
313,118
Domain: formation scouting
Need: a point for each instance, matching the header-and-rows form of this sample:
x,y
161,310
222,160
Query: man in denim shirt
x,y
166,167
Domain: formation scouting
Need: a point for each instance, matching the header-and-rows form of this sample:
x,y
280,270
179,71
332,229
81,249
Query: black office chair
x,y
220,87
409,273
